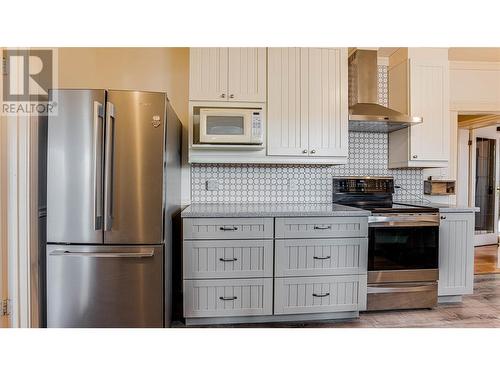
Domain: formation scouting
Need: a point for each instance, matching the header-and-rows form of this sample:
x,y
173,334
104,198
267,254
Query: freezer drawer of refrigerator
x,y
104,286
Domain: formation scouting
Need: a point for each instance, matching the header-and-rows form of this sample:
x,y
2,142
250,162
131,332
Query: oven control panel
x,y
363,185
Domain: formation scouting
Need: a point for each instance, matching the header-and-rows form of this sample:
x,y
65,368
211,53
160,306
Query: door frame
x,y
4,284
19,217
489,238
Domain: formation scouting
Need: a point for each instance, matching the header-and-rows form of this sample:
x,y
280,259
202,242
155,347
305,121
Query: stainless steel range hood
x,y
365,114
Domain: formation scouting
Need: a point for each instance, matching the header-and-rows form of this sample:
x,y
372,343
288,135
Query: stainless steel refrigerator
x,y
113,186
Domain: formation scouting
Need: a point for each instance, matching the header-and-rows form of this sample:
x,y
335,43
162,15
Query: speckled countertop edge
x,y
269,210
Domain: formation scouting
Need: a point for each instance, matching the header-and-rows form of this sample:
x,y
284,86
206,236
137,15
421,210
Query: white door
x,y
484,184
326,105
247,75
429,98
287,127
208,69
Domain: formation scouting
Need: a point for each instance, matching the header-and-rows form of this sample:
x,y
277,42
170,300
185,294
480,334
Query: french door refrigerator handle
x,y
101,254
98,138
108,183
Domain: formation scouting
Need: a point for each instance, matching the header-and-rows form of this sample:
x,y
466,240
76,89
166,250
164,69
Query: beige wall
x,y
474,54
153,69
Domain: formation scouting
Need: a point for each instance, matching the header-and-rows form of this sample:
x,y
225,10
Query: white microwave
x,y
231,126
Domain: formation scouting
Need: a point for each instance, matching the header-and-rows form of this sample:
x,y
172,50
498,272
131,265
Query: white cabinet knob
x,y
231,96
415,156
313,151
304,151
222,95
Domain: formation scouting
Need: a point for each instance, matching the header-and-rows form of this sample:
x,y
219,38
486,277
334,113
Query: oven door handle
x,y
387,221
403,289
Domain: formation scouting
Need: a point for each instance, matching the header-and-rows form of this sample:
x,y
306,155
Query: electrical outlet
x,y
211,185
293,184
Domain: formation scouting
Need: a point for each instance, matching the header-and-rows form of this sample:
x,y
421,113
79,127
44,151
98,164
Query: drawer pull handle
x,y
321,258
322,227
321,295
228,298
228,228
228,259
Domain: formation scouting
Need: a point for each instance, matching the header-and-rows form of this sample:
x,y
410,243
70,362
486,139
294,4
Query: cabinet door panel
x,y
429,98
327,101
456,254
228,297
303,295
287,129
208,74
247,75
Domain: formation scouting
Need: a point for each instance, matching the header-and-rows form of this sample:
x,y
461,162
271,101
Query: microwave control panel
x,y
257,128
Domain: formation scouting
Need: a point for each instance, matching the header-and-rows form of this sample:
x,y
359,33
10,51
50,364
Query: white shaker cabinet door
x,y
247,75
326,104
456,254
208,74
286,123
429,98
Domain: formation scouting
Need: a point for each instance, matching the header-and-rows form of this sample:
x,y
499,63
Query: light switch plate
x,y
212,185
293,184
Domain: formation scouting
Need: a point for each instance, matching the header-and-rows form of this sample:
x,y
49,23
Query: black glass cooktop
x,y
378,207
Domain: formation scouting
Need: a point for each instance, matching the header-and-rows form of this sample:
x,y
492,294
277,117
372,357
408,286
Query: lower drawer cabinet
x,y
303,295
226,259
321,257
228,297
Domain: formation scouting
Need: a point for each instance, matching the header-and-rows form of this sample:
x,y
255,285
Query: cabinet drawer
x,y
228,259
228,297
316,257
228,228
314,227
302,295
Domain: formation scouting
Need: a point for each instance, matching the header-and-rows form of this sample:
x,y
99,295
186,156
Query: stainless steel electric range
x,y
403,244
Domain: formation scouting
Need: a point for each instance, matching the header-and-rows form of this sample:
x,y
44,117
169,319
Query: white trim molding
x,y
4,285
19,220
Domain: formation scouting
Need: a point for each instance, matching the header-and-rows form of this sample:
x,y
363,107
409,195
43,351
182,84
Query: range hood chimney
x,y
365,114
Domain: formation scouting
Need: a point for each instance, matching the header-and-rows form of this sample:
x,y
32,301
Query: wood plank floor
x,y
486,259
480,310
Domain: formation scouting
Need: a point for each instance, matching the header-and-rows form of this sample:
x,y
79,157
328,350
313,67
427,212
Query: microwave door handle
x,y
109,168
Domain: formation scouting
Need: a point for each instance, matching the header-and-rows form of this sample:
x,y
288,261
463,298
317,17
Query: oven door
x,y
403,253
227,125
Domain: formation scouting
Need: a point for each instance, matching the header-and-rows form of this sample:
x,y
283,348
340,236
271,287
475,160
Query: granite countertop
x,y
270,210
442,207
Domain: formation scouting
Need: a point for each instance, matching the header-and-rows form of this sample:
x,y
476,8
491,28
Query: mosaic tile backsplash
x,y
305,183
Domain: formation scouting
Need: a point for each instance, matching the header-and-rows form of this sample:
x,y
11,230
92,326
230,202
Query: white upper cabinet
x,y
228,74
208,73
419,86
247,74
327,102
307,102
287,125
